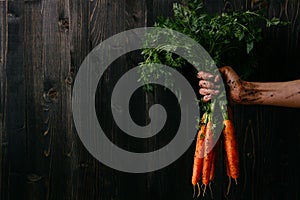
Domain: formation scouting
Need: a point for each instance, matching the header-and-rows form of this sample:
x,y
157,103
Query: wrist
x,y
248,93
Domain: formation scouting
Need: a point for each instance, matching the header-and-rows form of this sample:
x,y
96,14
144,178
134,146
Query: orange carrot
x,y
231,148
198,157
227,167
207,154
228,174
213,162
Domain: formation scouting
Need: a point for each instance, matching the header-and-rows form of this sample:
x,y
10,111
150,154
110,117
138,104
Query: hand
x,y
209,84
285,94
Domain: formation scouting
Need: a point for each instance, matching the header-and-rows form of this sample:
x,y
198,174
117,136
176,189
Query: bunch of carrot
x,y
206,152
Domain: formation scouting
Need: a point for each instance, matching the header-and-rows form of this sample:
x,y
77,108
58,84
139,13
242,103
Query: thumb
x,y
229,75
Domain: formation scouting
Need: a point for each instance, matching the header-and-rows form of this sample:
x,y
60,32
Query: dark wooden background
x,y
42,45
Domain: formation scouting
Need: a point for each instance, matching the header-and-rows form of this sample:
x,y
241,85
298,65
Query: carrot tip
x,y
229,185
204,190
211,192
235,180
194,191
199,190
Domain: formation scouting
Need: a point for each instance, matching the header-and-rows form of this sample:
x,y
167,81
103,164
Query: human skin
x,y
286,94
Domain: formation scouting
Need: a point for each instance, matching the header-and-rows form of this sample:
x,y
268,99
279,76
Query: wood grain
x,y
42,45
3,135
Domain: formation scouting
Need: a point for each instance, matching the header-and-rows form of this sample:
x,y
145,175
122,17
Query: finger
x,y
205,91
208,85
206,98
204,75
217,78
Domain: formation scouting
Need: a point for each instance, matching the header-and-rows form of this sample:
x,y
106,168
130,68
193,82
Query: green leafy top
x,y
228,37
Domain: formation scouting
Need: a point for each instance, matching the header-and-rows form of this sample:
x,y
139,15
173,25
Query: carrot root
x,y
194,191
204,190
199,190
211,192
229,185
235,180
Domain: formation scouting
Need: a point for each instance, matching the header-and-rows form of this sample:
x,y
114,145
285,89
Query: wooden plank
x,y
80,31
23,0
163,8
39,107
64,140
162,184
285,56
79,48
135,15
111,184
55,59
15,120
3,135
104,179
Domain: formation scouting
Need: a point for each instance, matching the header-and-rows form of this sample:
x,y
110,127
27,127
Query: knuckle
x,y
202,83
200,74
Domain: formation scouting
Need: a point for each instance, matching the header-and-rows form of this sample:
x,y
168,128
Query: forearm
x,y
285,94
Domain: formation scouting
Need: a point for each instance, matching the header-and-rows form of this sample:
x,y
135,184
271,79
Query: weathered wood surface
x,y
42,45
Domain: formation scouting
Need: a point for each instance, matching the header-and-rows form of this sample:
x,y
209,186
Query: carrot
x,y
207,154
206,168
227,167
199,151
231,149
198,157
213,162
228,174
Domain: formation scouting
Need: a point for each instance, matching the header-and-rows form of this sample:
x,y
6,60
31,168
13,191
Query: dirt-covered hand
x,y
209,84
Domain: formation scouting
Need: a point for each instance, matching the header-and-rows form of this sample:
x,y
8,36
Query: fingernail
x,y
217,78
210,76
217,91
